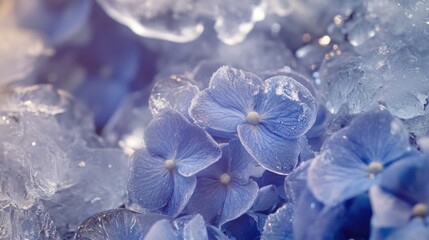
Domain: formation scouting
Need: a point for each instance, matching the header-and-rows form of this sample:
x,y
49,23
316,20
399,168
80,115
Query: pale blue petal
x,y
286,108
272,152
279,225
335,176
162,230
375,136
389,211
150,184
225,104
182,192
267,199
171,136
118,224
239,199
195,229
240,162
296,182
220,167
408,179
208,199
417,229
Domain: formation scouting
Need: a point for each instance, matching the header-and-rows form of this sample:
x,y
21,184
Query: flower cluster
x,y
214,119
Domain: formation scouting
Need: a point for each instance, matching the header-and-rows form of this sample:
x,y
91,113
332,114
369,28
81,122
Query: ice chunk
x,y
117,224
32,224
166,19
175,92
95,182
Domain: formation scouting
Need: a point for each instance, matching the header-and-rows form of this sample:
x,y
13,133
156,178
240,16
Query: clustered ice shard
x,y
214,119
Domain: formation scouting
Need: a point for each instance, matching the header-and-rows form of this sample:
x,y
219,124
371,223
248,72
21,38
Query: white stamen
x,y
420,210
253,118
225,179
169,164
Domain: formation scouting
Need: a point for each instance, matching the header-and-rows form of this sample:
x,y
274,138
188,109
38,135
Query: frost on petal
x,y
195,229
225,104
117,224
150,184
172,137
389,211
162,230
208,199
239,199
272,152
279,225
182,192
286,107
336,175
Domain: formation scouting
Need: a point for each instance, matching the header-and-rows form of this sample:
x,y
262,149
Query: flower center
x,y
169,164
375,167
420,210
253,118
225,179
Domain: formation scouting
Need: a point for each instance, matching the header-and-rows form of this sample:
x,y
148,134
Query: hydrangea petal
x,y
389,211
278,225
171,136
195,229
286,108
272,152
240,162
417,229
336,176
342,170
408,179
375,136
267,199
208,199
239,199
182,192
150,184
225,104
162,230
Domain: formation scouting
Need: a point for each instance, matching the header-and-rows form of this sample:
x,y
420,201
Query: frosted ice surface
x,y
170,20
235,19
95,182
175,93
117,224
32,224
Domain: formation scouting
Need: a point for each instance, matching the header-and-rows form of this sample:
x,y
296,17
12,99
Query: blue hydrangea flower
x,y
117,224
352,159
163,174
269,117
224,190
401,201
